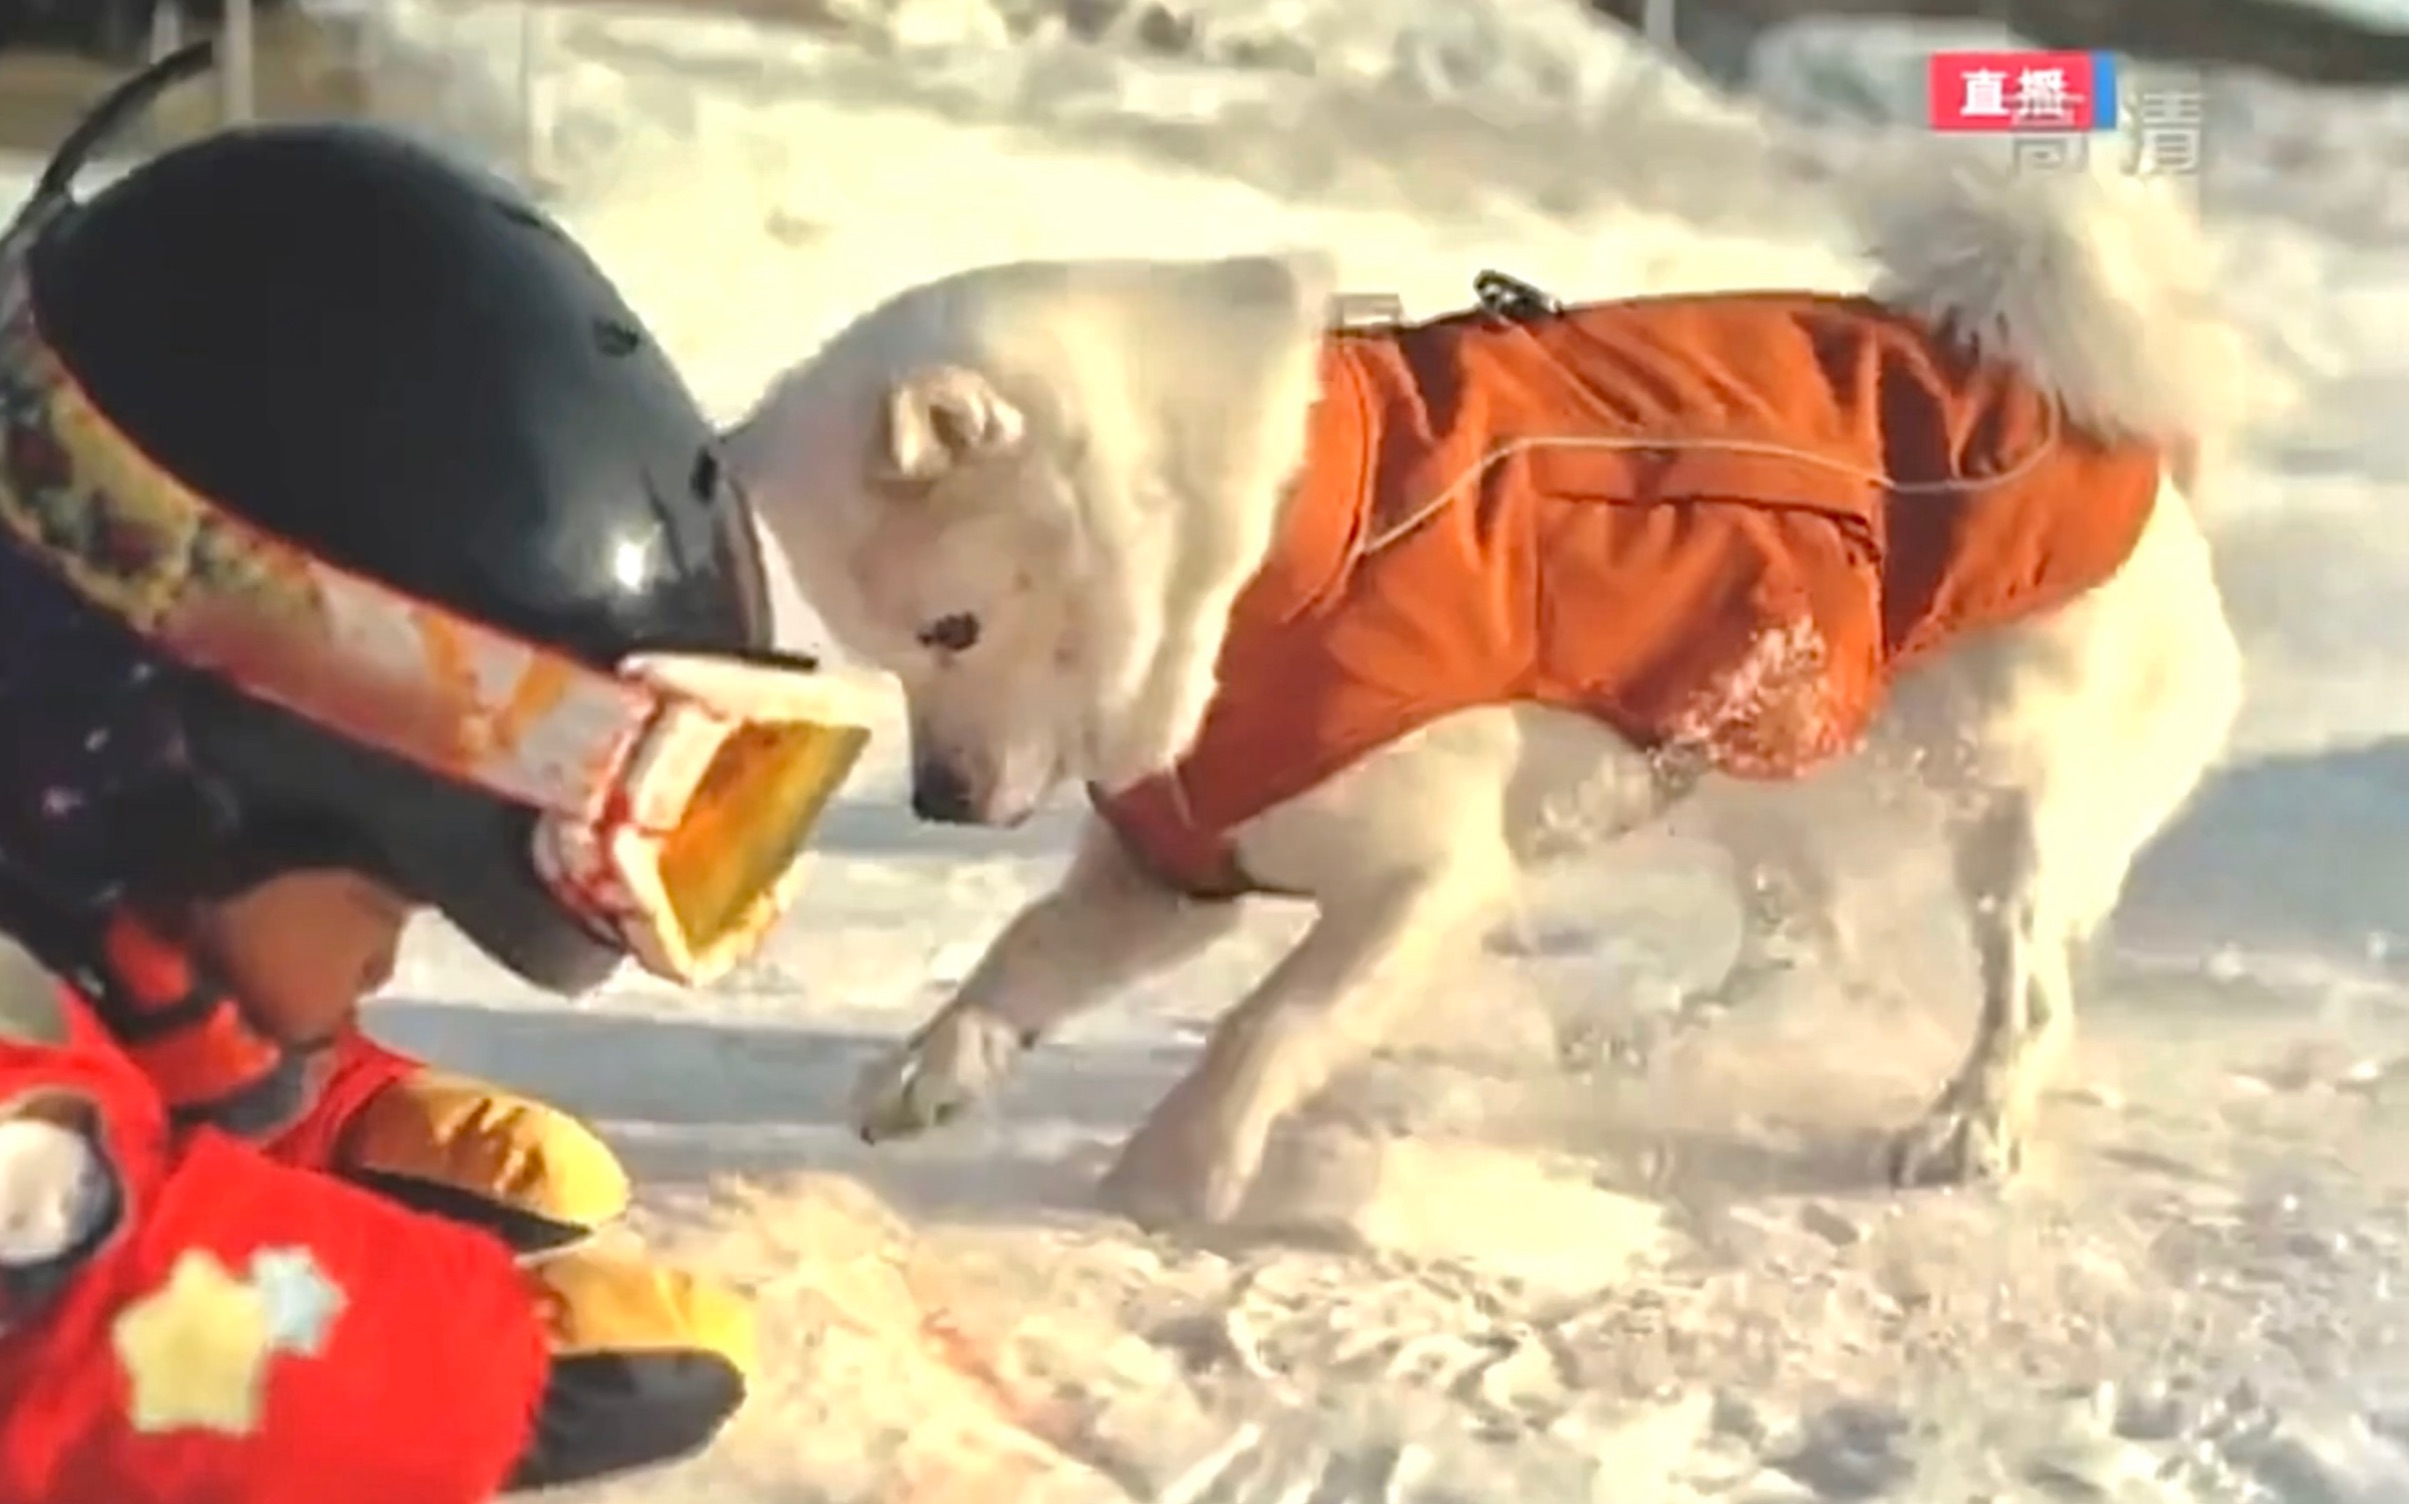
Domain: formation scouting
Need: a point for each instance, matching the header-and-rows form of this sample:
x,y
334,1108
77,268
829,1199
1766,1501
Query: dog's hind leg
x,y
2082,735
2023,947
1105,925
1789,902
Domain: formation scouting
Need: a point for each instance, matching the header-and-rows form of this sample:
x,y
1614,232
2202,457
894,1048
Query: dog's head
x,y
932,540
1002,488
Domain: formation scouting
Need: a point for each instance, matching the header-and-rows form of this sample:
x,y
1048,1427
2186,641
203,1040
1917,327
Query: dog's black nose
x,y
941,794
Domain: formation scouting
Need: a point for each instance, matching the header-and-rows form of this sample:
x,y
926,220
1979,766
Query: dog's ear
x,y
942,419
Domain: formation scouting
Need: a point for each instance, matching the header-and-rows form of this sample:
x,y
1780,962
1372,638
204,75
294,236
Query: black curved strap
x,y
117,110
54,191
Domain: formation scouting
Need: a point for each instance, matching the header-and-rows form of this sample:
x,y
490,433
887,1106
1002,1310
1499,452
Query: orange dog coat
x,y
1719,524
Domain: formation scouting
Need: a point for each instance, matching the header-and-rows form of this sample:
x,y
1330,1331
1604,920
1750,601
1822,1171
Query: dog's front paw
x,y
1181,1170
1956,1144
952,1064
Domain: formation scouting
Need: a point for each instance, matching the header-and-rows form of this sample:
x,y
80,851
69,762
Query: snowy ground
x,y
1499,1268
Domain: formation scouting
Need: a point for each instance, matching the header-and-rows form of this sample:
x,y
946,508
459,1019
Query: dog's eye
x,y
958,633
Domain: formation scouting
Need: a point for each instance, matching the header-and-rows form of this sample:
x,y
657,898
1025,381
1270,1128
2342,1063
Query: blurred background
x,y
309,57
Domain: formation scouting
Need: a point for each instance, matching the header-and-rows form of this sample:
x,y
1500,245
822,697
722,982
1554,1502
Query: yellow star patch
x,y
196,1350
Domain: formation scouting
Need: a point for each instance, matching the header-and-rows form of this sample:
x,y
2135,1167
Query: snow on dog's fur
x,y
1034,492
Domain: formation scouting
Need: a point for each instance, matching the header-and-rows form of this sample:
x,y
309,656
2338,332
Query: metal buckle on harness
x,y
1504,297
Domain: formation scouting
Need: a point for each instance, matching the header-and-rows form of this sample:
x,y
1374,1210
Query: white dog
x,y
1156,527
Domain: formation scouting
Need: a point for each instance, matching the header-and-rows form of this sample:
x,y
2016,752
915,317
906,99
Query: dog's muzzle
x,y
941,794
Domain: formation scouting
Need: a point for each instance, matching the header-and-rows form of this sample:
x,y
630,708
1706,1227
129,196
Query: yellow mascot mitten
x,y
459,1148
647,1362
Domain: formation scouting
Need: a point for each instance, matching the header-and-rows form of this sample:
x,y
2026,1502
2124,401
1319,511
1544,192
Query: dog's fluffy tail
x,y
2099,285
